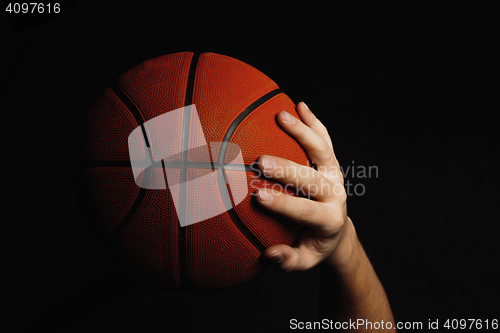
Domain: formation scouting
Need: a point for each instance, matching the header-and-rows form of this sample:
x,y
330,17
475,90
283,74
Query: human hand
x,y
323,209
351,288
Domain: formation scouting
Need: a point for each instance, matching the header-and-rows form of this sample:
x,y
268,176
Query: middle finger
x,y
317,148
303,178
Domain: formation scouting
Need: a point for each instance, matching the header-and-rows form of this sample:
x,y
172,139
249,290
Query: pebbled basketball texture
x,y
140,226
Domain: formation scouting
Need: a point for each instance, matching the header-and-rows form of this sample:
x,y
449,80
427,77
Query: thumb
x,y
290,259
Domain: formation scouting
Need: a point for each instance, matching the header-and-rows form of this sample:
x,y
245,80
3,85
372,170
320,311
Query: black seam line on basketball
x,y
237,121
132,108
186,120
182,209
223,188
145,138
164,173
146,174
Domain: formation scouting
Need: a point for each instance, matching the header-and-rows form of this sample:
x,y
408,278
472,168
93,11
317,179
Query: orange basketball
x,y
165,173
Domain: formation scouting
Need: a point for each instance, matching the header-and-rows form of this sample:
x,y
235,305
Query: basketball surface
x,y
199,162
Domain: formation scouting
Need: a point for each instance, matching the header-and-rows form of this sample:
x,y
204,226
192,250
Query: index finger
x,y
313,122
318,149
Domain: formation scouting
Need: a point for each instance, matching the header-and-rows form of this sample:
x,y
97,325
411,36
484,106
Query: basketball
x,y
165,172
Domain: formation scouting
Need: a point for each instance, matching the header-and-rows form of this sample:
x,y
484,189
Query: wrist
x,y
347,251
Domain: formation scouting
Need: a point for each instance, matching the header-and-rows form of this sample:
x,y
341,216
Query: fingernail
x,y
265,195
268,164
306,106
288,118
277,258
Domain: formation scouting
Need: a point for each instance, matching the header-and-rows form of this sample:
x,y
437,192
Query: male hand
x,y
323,209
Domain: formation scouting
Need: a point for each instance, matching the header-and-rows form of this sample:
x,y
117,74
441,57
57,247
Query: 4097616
x,y
471,324
33,8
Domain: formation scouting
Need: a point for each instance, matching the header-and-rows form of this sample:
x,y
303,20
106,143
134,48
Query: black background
x,y
412,91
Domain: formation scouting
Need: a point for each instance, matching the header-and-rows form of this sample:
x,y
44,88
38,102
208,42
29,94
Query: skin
x,y
350,288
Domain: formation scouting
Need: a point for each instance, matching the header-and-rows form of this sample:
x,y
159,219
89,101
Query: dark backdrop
x,y
415,95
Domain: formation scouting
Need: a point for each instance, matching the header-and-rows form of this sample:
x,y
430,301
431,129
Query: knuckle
x,y
341,215
339,218
334,188
336,223
329,157
322,128
307,211
336,177
342,195
323,147
341,178
287,266
322,151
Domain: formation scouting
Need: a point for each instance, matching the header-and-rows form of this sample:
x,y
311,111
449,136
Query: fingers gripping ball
x,y
164,174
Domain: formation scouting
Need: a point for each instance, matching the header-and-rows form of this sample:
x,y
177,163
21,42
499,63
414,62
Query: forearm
x,y
350,288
